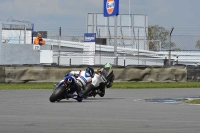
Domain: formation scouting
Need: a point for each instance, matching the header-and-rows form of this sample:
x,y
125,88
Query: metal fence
x,y
179,42
141,51
145,52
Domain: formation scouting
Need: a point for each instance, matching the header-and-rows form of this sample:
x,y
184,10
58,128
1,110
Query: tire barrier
x,y
2,74
40,73
193,73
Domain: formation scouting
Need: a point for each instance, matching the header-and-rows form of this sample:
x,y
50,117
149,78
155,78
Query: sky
x,y
183,15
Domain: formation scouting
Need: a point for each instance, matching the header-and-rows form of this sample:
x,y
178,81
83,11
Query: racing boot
x,y
101,90
79,98
70,96
93,93
100,93
89,88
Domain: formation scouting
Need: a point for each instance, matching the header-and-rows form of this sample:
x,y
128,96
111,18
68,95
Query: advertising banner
x,y
111,8
89,48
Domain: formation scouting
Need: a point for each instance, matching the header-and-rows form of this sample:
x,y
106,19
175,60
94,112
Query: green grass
x,y
145,85
120,85
196,101
17,86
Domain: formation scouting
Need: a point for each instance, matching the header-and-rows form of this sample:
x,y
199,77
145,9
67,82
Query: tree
x,y
176,49
158,33
198,44
76,39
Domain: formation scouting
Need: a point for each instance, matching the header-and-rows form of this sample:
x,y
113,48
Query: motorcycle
x,y
64,89
99,83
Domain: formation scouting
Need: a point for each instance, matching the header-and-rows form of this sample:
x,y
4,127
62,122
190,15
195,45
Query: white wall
x,y
16,36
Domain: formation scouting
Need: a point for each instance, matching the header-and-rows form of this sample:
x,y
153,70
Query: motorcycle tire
x,y
57,94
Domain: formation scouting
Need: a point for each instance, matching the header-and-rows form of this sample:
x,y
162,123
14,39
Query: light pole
x,y
129,18
170,46
138,49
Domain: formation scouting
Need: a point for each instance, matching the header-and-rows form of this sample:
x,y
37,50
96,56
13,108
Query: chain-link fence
x,y
135,50
68,50
186,42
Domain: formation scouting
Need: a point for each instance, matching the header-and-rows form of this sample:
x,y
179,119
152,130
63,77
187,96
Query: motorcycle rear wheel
x,y
57,94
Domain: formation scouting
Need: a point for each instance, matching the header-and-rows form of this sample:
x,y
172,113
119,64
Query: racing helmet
x,y
90,71
108,65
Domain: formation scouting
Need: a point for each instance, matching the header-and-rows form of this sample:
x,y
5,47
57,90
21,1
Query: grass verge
x,y
196,101
140,85
119,85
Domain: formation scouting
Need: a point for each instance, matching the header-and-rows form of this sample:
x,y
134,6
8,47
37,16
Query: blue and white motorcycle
x,y
65,89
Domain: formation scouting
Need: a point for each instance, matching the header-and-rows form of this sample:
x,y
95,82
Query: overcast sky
x,y
71,14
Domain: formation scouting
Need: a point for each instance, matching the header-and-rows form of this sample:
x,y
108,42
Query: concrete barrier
x,y
37,73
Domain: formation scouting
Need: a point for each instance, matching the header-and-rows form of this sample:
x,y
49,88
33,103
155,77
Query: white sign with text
x,y
89,53
89,48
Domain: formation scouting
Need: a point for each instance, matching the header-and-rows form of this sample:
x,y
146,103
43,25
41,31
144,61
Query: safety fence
x,y
184,50
177,42
141,51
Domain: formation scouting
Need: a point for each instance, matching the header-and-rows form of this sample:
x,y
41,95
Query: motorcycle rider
x,y
103,77
83,78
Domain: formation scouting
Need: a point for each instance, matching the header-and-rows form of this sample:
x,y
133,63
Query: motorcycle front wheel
x,y
57,94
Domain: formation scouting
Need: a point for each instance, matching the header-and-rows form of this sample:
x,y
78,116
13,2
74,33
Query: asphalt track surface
x,y
120,111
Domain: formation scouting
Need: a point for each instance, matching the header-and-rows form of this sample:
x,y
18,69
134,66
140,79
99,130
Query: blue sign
x,y
90,37
111,8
